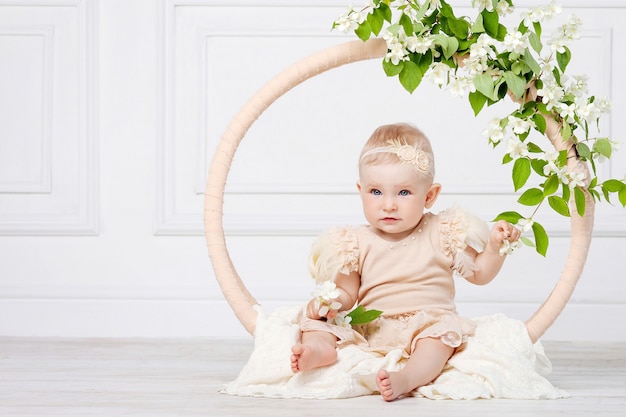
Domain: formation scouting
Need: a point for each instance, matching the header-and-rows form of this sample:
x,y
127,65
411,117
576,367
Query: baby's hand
x,y
503,237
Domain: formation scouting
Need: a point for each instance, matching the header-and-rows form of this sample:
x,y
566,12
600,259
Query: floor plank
x,y
158,378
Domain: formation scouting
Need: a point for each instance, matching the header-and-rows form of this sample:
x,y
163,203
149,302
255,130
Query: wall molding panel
x,y
50,148
110,114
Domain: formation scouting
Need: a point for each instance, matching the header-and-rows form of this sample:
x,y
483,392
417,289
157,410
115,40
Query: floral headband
x,y
407,154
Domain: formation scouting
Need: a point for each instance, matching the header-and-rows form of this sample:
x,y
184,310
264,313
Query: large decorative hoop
x,y
239,298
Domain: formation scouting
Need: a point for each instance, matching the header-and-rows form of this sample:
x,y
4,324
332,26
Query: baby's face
x,y
393,197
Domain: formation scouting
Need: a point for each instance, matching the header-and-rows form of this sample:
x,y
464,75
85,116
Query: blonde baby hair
x,y
400,143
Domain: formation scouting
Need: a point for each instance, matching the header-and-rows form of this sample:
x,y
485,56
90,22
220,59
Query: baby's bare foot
x,y
390,385
306,357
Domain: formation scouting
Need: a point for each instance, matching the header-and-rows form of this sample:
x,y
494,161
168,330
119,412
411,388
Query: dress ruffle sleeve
x,y
334,252
460,229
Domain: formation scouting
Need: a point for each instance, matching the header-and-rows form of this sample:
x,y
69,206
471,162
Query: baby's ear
x,y
358,186
432,194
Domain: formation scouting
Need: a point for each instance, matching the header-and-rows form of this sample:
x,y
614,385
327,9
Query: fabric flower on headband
x,y
406,153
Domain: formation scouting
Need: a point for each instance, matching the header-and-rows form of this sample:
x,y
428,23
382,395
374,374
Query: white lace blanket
x,y
499,361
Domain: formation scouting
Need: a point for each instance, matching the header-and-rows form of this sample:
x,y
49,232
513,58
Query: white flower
x,y
604,105
507,247
576,85
396,53
588,111
494,132
576,179
503,8
615,145
552,168
418,45
551,93
516,148
526,224
520,126
460,86
349,21
546,66
342,320
327,290
516,42
324,295
483,4
438,73
482,48
553,9
567,112
565,33
535,15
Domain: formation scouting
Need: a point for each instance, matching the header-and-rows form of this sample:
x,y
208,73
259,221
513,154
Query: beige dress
x,y
411,281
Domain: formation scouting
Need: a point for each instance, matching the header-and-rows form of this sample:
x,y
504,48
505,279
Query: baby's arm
x,y
348,286
489,262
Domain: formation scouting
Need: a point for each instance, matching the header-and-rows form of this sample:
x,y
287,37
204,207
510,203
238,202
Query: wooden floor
x,y
137,377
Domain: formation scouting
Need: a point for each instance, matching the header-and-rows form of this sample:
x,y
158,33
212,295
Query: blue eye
x,y
404,192
376,192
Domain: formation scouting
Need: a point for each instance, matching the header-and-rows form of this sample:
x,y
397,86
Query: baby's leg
x,y
317,349
424,365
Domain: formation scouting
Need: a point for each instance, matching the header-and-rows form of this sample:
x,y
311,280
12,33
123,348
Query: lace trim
x,y
457,229
348,250
335,251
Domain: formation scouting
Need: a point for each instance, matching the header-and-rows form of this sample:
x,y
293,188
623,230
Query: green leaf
x,y
551,185
451,48
490,22
566,192
563,58
449,45
385,11
534,148
478,26
566,131
541,239
515,83
376,21
531,62
484,83
410,77
538,165
460,28
603,147
477,101
540,122
613,186
531,197
527,241
361,316
583,150
535,42
407,24
521,172
538,29
502,32
512,217
364,31
392,70
579,198
559,205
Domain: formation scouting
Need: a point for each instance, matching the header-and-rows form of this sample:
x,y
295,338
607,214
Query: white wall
x,y
110,111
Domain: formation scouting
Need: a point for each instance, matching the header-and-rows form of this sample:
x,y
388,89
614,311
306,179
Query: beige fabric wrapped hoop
x,y
231,284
